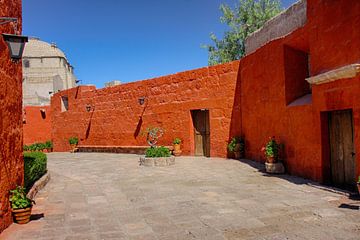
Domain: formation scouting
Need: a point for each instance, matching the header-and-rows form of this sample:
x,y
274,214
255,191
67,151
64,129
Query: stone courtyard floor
x,y
108,196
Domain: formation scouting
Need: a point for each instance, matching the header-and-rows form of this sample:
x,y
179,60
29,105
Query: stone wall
x,y
37,124
11,161
117,119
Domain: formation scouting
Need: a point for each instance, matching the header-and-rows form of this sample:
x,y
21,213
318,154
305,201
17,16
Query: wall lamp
x,y
89,107
141,100
16,43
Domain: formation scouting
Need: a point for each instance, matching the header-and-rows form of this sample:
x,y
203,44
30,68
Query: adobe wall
x,y
37,124
119,120
11,167
268,77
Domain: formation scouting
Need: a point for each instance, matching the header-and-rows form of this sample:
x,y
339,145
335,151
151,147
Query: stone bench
x,y
116,149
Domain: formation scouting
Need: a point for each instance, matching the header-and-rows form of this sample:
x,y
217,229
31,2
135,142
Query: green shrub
x,y
73,141
26,148
18,198
35,166
236,141
48,144
155,152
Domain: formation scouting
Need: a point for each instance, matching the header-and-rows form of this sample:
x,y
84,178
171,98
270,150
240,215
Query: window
x,y
296,70
64,103
26,63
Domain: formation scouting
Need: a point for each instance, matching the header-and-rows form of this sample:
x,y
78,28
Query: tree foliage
x,y
244,19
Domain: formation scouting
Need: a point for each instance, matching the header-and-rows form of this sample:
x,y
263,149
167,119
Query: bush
x,y
73,141
48,145
26,148
155,152
18,198
236,141
35,166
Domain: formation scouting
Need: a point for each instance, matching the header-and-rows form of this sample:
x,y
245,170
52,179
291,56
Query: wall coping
x,y
348,71
279,26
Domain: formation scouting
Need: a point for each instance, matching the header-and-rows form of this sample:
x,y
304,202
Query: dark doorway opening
x,y
342,150
200,119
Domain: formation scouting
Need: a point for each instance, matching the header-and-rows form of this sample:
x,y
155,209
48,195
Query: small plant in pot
x,y
237,146
73,141
20,205
177,149
271,150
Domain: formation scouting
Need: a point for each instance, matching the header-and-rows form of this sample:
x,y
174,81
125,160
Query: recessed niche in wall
x,y
64,103
296,66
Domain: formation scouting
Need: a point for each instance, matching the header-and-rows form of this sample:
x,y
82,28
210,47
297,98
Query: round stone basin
x,y
157,162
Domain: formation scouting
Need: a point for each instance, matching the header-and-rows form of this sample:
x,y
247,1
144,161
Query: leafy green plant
x,y
73,141
244,19
272,148
177,141
35,166
26,148
154,152
18,198
48,145
358,180
153,134
236,144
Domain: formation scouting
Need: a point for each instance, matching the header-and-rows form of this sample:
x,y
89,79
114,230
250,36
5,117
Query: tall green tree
x,y
244,19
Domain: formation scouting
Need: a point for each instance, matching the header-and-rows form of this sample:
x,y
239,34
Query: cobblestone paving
x,y
108,196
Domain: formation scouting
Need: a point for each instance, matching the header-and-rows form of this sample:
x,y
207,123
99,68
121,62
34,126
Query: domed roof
x,y
37,48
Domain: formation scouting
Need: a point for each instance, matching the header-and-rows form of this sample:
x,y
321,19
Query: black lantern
x,y
16,45
88,108
141,100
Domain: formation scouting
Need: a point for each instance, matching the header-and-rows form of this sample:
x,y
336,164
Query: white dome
x,y
37,48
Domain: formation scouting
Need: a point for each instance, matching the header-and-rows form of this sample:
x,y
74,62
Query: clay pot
x,y
177,150
271,159
238,155
73,147
22,216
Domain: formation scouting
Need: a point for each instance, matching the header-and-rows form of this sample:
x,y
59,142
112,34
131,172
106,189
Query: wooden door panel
x,y
341,148
201,132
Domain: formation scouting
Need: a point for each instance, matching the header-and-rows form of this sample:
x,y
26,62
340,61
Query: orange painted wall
x,y
11,161
116,119
37,125
253,97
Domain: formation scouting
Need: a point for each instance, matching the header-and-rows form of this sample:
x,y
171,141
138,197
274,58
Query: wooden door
x,y
342,153
201,132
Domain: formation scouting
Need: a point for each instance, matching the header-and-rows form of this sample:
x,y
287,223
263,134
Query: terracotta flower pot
x,y
177,150
22,216
73,147
271,159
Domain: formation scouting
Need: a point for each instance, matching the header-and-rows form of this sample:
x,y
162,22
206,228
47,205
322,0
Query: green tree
x,y
244,19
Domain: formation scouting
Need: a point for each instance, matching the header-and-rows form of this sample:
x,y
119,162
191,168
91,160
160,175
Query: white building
x,y
46,70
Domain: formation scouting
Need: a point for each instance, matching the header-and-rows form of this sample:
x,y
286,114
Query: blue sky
x,y
127,40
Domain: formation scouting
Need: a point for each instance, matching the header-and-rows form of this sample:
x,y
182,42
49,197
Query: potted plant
x,y
20,205
49,146
73,141
358,185
237,146
271,150
177,148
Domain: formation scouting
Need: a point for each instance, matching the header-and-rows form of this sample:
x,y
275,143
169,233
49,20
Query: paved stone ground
x,y
108,196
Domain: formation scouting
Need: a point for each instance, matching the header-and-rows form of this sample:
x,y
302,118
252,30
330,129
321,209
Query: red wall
x,y
11,161
169,100
37,125
256,97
